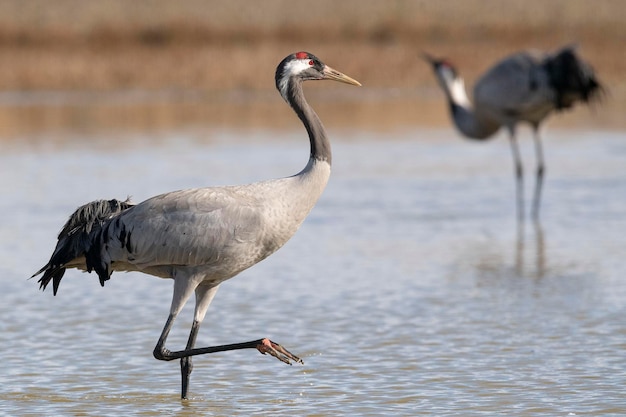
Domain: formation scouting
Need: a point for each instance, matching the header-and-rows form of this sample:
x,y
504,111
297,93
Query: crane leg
x,y
204,295
265,346
539,175
186,365
519,178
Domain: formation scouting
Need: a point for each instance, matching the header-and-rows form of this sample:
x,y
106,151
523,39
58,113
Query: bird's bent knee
x,y
162,354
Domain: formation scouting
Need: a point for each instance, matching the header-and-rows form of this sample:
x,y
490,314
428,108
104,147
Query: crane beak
x,y
332,74
429,58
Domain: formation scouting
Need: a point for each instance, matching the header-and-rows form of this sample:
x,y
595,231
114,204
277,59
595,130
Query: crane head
x,y
302,66
440,64
446,74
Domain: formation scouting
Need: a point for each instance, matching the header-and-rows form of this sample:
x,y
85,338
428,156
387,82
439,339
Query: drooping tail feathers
x,y
76,237
572,78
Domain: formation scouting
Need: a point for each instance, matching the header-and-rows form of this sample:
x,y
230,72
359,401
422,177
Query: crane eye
x,y
311,62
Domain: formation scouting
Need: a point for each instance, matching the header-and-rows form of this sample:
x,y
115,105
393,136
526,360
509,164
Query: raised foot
x,y
277,351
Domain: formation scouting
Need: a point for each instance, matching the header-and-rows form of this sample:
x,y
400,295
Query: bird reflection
x,y
539,255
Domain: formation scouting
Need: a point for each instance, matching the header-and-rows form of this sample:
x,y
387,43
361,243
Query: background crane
x,y
524,87
202,237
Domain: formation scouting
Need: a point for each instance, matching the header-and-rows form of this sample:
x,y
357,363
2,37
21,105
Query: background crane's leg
x,y
519,177
539,176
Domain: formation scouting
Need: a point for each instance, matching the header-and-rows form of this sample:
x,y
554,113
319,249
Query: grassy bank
x,y
216,47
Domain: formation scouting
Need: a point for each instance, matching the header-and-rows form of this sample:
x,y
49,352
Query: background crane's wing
x,y
517,87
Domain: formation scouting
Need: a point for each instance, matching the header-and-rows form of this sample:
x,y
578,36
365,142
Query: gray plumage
x,y
524,87
201,237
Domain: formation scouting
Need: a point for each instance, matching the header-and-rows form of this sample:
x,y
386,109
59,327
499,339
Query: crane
x,y
524,87
201,237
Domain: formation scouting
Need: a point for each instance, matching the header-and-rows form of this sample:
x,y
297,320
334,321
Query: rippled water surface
x,y
408,290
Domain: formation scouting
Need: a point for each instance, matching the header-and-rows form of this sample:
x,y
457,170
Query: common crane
x,y
524,87
201,237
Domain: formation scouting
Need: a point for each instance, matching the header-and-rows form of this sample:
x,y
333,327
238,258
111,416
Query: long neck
x,y
464,114
292,198
320,145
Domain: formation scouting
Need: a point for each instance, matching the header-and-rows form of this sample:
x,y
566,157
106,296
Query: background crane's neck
x,y
466,118
320,145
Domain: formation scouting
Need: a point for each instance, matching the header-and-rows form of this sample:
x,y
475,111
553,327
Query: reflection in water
x,y
522,255
395,313
539,246
540,258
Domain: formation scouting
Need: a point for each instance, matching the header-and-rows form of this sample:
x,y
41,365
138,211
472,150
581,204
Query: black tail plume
x,y
75,238
572,78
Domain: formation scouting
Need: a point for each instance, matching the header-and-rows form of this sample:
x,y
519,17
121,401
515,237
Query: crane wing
x,y
191,228
75,238
516,88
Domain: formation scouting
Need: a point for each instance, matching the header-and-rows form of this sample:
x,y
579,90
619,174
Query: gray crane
x,y
524,87
201,237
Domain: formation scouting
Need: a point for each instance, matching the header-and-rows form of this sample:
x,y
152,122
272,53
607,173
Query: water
x,y
407,291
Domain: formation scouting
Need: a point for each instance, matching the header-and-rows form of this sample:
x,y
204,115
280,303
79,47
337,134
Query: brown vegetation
x,y
213,48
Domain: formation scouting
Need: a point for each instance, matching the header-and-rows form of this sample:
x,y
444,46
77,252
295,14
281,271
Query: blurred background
x,y
113,64
409,290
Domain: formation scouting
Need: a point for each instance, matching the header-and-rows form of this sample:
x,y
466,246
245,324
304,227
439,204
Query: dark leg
x,y
160,352
262,345
539,176
265,346
186,365
204,295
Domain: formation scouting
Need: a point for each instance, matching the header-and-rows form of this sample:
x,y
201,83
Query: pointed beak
x,y
331,74
429,58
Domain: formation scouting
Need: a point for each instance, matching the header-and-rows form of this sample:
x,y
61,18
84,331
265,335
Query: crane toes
x,y
277,351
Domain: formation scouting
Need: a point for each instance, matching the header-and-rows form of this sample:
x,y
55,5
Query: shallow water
x,y
407,291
